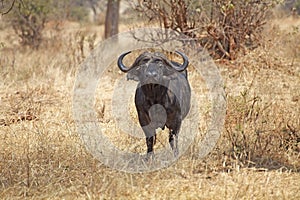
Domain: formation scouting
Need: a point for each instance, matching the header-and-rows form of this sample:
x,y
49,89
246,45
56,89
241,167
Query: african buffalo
x,y
163,94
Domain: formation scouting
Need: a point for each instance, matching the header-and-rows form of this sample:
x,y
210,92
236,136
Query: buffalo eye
x,y
157,61
145,60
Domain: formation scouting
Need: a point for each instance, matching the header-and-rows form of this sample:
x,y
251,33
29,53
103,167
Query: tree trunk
x,y
112,18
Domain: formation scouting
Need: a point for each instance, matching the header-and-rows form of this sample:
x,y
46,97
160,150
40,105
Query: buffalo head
x,y
152,67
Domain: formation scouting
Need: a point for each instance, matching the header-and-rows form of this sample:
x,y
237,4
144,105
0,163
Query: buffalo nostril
x,y
152,74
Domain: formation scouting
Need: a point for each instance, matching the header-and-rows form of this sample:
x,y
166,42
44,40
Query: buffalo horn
x,y
122,67
185,62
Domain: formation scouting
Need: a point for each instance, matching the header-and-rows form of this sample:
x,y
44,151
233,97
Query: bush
x,y
28,18
261,133
225,28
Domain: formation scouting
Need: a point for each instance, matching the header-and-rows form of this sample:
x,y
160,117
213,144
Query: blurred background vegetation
x,y
226,28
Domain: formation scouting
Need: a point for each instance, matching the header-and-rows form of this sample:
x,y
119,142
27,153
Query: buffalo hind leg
x,y
173,140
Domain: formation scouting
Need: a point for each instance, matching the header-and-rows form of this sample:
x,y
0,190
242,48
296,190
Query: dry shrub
x,y
262,133
28,20
225,28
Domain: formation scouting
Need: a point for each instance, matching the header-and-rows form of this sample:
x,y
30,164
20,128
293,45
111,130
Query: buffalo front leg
x,y
173,140
148,129
150,143
150,139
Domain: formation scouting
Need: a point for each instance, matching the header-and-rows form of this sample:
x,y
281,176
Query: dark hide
x,y
162,97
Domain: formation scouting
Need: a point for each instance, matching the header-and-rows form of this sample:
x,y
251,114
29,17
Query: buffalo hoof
x,y
149,157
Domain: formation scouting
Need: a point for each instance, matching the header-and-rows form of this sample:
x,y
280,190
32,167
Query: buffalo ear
x,y
133,75
169,73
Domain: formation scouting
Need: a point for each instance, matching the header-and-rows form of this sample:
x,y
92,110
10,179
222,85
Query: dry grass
x,y
42,157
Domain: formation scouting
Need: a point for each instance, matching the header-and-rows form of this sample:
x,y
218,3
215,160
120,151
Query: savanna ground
x,y
43,157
